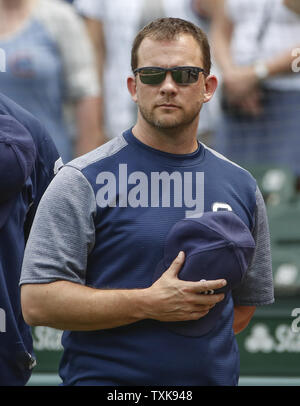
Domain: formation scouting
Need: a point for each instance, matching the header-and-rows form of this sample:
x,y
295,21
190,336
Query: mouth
x,y
168,106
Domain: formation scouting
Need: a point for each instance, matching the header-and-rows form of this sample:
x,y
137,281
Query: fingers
x,y
202,293
177,264
206,301
200,307
193,312
205,287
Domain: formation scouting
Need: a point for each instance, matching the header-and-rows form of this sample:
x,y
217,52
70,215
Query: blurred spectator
x,y
211,111
113,26
253,44
50,71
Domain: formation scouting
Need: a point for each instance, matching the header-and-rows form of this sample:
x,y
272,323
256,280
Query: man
x,y
27,162
112,26
101,228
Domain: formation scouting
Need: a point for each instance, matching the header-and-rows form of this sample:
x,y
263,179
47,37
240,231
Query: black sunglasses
x,y
183,75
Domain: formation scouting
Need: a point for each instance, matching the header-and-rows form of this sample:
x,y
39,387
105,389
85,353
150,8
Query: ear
x,y
211,84
131,85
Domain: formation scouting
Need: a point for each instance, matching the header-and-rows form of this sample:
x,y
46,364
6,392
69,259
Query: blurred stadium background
x,y
270,346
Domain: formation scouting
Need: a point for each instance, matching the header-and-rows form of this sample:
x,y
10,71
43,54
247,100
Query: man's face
x,y
169,105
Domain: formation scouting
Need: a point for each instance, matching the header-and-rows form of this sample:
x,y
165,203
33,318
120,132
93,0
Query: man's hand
x,y
172,299
241,89
252,103
238,82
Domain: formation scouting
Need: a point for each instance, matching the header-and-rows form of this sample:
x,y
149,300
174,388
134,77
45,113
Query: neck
x,y
13,14
180,140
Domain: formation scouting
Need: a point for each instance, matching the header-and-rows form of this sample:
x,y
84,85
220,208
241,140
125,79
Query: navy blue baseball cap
x,y
217,245
17,158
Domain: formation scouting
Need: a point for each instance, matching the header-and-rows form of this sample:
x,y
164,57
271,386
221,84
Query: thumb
x,y
176,265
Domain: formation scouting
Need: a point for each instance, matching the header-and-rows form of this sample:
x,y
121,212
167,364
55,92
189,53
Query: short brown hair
x,y
169,29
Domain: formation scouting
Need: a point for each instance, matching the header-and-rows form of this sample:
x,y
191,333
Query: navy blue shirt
x,y
103,223
16,350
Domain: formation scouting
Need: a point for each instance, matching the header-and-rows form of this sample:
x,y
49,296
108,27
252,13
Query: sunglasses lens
x,y
185,76
152,76
181,75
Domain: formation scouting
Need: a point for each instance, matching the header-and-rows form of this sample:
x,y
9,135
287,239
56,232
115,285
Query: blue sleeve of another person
x,y
16,345
47,158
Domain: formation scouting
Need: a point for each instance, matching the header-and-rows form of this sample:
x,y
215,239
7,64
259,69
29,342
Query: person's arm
x,y
236,89
283,63
96,34
70,306
245,77
82,88
242,317
221,34
89,110
204,8
256,288
90,134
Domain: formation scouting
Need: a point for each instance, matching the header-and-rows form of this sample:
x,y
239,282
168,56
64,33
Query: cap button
x,y
231,244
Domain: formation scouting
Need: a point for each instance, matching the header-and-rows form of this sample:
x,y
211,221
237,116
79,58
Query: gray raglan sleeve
x,y
62,234
256,288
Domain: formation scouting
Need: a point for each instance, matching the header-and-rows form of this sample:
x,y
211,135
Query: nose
x,y
168,86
